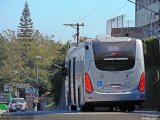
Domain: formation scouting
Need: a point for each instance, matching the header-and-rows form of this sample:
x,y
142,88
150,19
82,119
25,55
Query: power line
x,y
94,10
107,16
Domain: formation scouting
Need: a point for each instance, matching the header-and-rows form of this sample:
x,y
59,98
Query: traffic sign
x,y
22,85
8,88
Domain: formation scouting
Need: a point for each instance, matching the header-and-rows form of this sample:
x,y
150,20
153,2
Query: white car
x,y
17,104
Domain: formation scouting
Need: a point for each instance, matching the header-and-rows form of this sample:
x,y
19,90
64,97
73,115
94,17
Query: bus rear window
x,y
114,56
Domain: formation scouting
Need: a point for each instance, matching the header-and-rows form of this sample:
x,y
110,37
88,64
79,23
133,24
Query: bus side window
x,y
64,72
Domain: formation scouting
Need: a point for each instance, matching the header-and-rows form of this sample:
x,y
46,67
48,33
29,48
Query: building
x,y
146,19
118,27
118,22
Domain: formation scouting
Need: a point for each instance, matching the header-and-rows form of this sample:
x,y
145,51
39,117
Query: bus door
x,y
74,81
69,83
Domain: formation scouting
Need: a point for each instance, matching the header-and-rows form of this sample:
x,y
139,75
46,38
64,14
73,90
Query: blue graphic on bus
x,y
99,83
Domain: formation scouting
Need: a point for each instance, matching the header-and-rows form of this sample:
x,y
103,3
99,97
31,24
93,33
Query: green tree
x,y
2,51
55,77
25,30
21,56
2,59
152,65
152,56
8,35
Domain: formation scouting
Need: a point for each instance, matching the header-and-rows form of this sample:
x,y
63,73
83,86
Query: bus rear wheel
x,y
123,109
87,108
129,108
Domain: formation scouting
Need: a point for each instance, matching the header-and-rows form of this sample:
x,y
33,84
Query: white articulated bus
x,y
105,72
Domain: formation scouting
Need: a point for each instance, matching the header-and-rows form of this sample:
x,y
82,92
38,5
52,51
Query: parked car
x,y
17,104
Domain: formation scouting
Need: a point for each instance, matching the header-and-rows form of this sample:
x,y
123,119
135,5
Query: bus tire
x,y
111,109
88,108
123,109
73,107
131,108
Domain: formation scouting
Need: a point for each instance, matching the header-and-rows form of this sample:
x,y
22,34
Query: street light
x,y
37,92
40,57
17,72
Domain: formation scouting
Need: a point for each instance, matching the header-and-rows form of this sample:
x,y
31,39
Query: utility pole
x,y
75,26
37,90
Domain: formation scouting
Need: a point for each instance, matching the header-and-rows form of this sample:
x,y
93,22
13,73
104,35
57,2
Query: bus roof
x,y
100,39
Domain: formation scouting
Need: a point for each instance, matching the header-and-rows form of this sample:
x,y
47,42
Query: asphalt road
x,y
98,116
67,115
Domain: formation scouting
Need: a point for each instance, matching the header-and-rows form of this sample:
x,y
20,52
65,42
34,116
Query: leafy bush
x,y
152,65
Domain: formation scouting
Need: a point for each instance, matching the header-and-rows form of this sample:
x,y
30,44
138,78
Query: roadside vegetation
x,y
28,56
17,54
152,66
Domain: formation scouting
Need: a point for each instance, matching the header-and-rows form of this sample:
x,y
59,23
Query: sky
x,y
48,16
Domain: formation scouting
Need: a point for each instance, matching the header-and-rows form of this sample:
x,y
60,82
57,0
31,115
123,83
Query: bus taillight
x,y
142,83
88,84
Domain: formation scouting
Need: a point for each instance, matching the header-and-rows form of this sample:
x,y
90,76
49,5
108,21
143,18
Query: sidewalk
x,y
148,112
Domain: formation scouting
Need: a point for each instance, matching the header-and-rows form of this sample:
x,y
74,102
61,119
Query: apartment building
x,y
147,20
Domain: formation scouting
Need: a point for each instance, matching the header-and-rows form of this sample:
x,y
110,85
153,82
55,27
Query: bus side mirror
x,y
86,47
64,72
